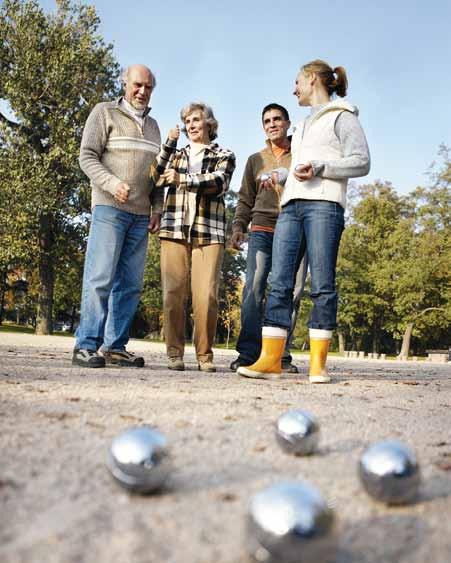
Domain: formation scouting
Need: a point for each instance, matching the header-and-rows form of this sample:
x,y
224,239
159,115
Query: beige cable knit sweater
x,y
114,149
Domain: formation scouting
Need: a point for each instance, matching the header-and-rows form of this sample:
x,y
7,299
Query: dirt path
x,y
59,504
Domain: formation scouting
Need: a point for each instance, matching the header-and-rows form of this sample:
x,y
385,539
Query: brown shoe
x,y
176,364
123,358
207,366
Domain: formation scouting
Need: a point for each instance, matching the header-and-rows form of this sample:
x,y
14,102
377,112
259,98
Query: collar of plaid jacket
x,y
213,147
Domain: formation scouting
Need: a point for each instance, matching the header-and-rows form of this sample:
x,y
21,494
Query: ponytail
x,y
340,83
334,80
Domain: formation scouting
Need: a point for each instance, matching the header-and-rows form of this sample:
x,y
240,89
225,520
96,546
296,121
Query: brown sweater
x,y
257,206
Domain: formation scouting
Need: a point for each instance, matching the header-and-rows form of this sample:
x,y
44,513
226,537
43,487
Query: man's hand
x,y
269,181
122,192
174,133
303,172
154,223
171,177
237,240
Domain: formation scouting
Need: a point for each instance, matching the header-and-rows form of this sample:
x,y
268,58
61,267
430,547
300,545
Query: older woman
x,y
192,231
327,148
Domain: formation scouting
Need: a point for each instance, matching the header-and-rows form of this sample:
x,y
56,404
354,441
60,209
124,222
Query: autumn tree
x,y
365,305
421,276
149,316
393,270
53,69
230,280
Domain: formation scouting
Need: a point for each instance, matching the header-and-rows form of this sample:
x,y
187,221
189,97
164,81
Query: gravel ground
x,y
59,503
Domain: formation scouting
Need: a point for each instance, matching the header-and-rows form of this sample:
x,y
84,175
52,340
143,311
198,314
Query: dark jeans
x,y
258,267
315,227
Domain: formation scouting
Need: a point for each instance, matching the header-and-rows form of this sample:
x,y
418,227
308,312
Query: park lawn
x,y
11,327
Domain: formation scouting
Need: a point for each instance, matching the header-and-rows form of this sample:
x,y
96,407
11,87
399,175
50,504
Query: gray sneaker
x,y
176,364
87,358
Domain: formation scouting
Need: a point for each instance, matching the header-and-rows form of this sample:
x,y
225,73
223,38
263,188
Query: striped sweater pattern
x,y
114,149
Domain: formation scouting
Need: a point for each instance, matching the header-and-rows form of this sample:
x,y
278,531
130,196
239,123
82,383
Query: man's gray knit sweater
x,y
114,149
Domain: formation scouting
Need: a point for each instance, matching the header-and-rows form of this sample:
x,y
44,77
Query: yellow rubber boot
x,y
318,356
269,364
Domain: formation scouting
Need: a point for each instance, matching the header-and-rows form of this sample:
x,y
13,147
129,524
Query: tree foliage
x,y
230,281
53,69
393,270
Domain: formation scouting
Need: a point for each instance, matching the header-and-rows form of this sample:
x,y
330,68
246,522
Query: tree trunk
x,y
405,347
3,288
46,278
228,335
375,342
72,317
341,342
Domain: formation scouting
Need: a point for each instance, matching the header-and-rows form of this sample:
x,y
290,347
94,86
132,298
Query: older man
x,y
120,142
258,208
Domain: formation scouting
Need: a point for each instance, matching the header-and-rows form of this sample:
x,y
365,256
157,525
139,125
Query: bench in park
x,y
441,356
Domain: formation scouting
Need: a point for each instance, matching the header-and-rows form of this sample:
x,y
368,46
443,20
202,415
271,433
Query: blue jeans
x,y
314,226
258,266
112,279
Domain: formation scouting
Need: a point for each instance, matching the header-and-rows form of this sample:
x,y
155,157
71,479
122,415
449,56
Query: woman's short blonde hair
x,y
209,116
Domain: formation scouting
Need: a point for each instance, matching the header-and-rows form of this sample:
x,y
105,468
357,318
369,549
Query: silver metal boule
x,y
138,459
389,472
265,177
298,167
297,432
289,522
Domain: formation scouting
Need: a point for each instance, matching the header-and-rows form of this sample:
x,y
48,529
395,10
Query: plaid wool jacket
x,y
209,187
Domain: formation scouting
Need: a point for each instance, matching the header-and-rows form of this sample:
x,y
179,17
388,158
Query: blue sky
x,y
238,56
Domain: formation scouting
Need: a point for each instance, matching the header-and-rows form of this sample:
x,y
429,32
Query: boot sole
x,y
124,364
319,379
86,365
257,374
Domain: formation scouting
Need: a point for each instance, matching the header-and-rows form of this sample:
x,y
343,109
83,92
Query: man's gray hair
x,y
124,76
208,114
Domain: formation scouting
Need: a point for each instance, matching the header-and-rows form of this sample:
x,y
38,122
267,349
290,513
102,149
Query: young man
x,y
120,142
260,207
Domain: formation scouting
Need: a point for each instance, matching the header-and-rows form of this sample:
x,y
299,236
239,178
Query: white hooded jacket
x,y
318,143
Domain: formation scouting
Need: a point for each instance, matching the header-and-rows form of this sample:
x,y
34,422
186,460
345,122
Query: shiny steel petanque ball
x,y
138,459
289,522
297,432
389,472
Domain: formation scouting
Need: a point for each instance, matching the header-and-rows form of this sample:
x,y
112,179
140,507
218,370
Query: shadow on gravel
x,y
190,482
434,488
382,539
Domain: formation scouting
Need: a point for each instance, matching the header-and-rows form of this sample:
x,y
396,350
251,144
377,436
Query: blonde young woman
x,y
192,231
328,148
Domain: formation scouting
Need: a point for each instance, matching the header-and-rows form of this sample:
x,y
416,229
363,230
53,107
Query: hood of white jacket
x,y
336,105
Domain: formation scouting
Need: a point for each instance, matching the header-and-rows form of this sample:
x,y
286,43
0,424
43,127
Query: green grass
x,y
9,327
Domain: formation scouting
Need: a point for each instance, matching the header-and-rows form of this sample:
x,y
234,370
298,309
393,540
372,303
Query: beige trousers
x,y
178,260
